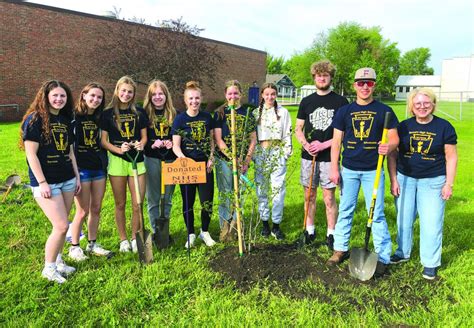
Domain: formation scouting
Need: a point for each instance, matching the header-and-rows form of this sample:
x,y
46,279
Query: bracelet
x,y
40,182
449,184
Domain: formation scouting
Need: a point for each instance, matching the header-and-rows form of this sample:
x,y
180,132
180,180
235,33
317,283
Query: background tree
x,y
172,52
415,62
275,65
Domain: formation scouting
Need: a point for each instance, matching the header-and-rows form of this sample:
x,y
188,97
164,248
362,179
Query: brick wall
x,y
39,43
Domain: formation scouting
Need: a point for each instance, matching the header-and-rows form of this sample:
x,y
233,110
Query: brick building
x,y
40,42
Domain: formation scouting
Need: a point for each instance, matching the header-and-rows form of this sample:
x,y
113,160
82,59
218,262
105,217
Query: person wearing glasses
x,y
358,127
422,175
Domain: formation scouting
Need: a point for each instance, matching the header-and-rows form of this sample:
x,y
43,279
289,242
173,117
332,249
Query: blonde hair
x,y
115,102
424,91
170,111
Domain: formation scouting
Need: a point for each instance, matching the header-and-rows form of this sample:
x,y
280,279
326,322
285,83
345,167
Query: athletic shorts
x,y
322,171
121,168
57,188
91,175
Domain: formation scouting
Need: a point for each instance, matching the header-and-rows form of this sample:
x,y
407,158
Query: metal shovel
x,y
143,236
162,233
363,263
12,180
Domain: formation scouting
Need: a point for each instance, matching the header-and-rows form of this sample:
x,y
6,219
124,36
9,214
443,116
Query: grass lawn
x,y
177,291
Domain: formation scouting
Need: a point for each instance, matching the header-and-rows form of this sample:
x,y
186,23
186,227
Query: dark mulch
x,y
304,274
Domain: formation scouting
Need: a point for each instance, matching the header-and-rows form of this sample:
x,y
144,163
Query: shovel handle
x,y
6,193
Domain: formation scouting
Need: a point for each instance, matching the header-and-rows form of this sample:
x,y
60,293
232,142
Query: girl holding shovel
x,y
92,163
193,137
46,134
161,114
123,127
246,137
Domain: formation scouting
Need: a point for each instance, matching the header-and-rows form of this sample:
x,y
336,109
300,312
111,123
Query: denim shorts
x,y
57,188
91,175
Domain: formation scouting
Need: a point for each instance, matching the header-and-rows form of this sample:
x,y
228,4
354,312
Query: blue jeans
x,y
225,184
352,181
422,196
153,191
270,172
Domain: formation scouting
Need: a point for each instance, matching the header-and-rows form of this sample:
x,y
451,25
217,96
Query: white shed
x,y
406,83
306,90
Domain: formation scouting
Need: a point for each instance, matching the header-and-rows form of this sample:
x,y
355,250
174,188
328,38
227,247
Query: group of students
x,y
422,163
66,149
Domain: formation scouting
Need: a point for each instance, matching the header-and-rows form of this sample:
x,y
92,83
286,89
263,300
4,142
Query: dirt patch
x,y
304,274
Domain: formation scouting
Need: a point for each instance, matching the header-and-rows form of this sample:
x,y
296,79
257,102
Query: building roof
x,y
308,87
276,78
419,80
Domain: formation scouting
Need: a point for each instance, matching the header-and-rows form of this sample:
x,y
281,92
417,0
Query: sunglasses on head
x,y
370,84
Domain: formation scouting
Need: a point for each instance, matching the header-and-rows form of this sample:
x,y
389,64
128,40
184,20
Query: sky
x,y
285,27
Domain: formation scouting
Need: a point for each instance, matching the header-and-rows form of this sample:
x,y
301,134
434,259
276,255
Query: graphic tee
x,y
318,112
159,129
421,149
362,127
54,155
129,129
89,153
245,124
195,134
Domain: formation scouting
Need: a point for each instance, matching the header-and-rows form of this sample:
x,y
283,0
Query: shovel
x,y
162,233
143,236
304,238
12,180
363,263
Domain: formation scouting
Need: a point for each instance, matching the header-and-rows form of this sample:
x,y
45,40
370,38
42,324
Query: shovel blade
x,y
145,247
362,263
162,233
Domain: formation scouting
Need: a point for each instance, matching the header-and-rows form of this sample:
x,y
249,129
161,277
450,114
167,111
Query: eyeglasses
x,y
425,104
370,84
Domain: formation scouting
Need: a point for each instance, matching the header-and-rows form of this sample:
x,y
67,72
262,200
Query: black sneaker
x,y
265,231
395,259
430,273
330,242
380,269
277,233
309,238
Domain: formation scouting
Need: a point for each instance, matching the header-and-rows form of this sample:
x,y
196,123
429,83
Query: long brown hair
x,y
115,102
228,84
170,111
81,106
40,107
262,102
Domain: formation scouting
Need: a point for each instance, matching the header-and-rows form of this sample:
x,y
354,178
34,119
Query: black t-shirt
x,y
53,156
362,127
245,124
318,112
195,134
89,153
128,131
421,150
161,129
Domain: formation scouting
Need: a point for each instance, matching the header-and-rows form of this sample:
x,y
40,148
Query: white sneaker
x,y
97,249
125,246
53,275
134,246
76,254
207,239
69,234
192,239
64,269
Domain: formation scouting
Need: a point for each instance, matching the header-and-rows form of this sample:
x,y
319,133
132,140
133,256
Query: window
x,y
407,89
400,89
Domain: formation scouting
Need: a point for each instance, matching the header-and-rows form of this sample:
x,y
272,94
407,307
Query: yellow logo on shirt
x,y
90,133
198,130
362,124
60,136
127,125
420,142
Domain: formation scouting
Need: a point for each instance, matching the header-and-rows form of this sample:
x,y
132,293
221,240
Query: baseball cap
x,y
365,73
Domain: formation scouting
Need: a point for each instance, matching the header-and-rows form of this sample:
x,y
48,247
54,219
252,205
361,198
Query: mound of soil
x,y
304,274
